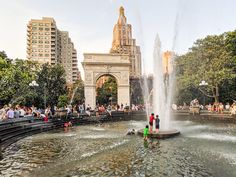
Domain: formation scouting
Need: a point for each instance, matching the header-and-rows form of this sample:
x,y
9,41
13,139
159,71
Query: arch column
x,y
90,96
123,95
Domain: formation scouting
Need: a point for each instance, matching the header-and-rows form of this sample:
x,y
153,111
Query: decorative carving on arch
x,y
124,77
88,77
115,75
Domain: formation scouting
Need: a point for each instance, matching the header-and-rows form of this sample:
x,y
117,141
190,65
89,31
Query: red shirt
x,y
151,118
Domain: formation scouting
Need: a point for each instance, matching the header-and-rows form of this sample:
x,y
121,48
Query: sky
x,y
90,23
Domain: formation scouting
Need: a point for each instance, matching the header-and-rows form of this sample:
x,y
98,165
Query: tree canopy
x,y
211,59
16,76
107,93
52,84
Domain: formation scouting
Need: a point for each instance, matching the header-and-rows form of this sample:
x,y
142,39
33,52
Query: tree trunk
x,y
215,92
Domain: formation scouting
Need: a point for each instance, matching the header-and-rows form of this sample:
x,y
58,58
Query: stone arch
x,y
96,65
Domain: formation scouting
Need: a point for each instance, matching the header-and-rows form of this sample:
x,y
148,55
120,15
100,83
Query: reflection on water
x,y
105,150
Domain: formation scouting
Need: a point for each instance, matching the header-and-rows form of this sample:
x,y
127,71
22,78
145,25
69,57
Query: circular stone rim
x,y
162,134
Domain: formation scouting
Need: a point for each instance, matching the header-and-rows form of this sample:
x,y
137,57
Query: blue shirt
x,y
10,114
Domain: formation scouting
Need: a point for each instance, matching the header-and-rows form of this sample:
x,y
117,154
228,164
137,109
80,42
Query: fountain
x,y
163,81
73,95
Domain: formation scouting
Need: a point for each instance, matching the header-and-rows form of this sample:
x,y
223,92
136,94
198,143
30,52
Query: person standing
x,y
151,119
10,113
17,112
2,113
157,121
145,133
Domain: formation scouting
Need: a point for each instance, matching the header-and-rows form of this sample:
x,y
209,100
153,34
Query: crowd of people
x,y
101,109
10,112
211,107
17,111
220,108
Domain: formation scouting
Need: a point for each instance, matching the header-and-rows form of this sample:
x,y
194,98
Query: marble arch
x,y
95,65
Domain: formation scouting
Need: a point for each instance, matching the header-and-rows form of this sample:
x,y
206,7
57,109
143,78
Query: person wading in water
x,y
151,119
157,121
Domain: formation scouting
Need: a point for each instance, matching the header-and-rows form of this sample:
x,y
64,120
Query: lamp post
x,y
203,83
33,84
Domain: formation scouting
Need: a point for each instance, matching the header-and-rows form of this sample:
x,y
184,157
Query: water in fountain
x,y
162,87
163,81
73,95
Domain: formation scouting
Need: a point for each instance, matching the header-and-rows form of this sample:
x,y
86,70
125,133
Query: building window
x,y
47,33
47,42
34,24
34,28
40,42
40,33
47,29
40,24
46,50
40,37
40,46
40,54
46,37
34,37
34,33
34,41
41,29
40,50
47,46
46,55
47,24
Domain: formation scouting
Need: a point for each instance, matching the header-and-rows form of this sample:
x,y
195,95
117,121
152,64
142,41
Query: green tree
x,y
3,55
15,77
107,92
207,60
52,84
62,101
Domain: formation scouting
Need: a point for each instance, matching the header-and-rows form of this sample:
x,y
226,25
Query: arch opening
x,y
106,90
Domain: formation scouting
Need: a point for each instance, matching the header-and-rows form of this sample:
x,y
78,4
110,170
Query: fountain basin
x,y
162,134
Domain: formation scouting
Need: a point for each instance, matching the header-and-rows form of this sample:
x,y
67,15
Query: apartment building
x,y
47,44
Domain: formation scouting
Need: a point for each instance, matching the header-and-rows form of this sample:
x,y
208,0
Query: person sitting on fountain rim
x,y
145,133
151,118
157,120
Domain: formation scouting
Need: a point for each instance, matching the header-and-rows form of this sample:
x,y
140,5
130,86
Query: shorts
x,y
151,123
157,127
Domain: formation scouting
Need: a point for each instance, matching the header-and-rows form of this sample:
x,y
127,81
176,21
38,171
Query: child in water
x,y
157,123
145,133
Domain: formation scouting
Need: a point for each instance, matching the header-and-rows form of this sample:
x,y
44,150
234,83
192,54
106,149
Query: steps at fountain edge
x,y
16,129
